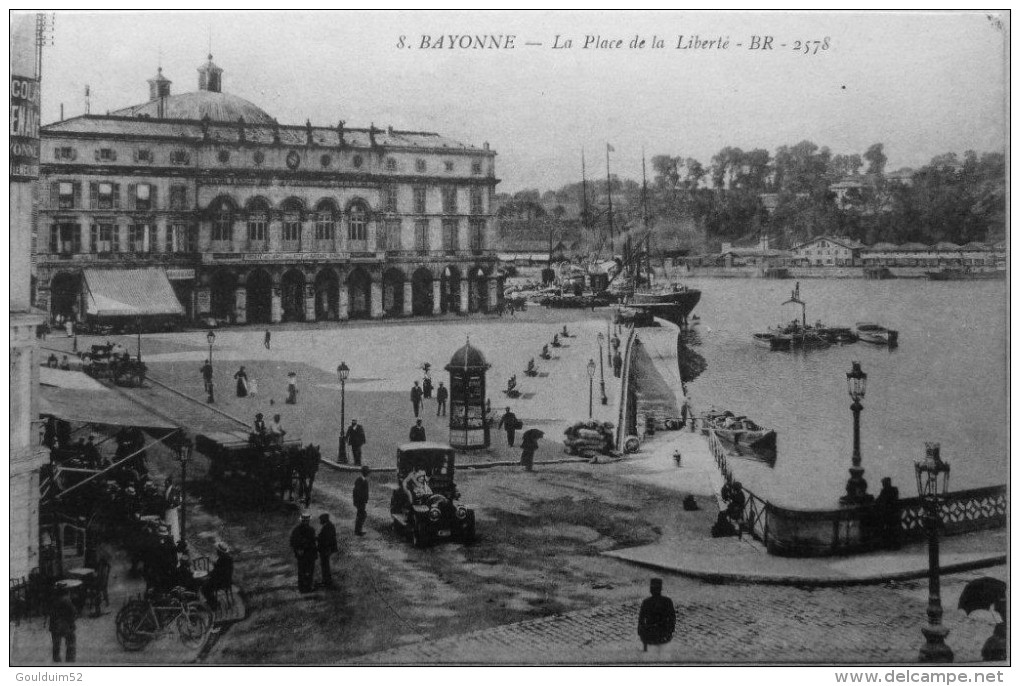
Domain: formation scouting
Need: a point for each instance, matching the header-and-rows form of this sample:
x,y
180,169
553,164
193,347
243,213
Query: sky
x,y
921,83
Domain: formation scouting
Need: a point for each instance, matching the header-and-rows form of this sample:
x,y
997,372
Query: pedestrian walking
x,y
441,395
416,398
267,341
242,382
62,620
207,375
616,342
426,386
327,547
356,439
292,388
302,542
361,501
509,423
529,444
617,364
657,618
417,434
887,514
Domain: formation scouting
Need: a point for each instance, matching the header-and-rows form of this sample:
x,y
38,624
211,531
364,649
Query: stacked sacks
x,y
589,438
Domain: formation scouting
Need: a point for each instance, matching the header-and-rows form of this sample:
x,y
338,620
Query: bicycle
x,y
142,620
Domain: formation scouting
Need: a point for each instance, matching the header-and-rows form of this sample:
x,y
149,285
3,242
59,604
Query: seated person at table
x,y
545,352
531,371
65,364
417,486
565,334
221,576
556,340
511,383
51,361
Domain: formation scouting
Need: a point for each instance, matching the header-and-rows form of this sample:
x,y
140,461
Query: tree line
x,y
796,193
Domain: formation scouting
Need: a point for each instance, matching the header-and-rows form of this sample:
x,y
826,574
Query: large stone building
x,y
254,221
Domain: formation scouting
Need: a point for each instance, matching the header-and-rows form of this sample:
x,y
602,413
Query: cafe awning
x,y
129,292
76,397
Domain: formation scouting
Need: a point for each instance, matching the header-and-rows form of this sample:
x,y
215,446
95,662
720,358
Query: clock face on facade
x,y
293,159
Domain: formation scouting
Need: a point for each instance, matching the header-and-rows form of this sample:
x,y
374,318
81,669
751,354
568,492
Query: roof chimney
x,y
210,77
159,86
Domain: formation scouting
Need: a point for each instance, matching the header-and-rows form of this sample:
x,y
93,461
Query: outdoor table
x,y
199,575
76,589
81,572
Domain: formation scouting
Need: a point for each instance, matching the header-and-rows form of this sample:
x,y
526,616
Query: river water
x,y
946,382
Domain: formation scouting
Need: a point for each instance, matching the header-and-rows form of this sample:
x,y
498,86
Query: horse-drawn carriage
x,y
108,362
275,465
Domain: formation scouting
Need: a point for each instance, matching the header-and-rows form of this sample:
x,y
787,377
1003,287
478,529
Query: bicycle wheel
x,y
193,625
136,627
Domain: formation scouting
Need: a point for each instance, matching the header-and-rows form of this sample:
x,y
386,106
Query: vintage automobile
x,y
423,505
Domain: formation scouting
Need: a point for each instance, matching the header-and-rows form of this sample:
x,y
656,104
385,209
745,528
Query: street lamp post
x,y
856,486
342,372
211,337
138,330
933,481
602,370
182,450
591,381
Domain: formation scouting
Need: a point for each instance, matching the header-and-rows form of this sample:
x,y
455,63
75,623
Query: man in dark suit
x,y
508,422
417,434
416,398
221,576
327,546
302,542
657,619
356,439
62,625
441,395
361,501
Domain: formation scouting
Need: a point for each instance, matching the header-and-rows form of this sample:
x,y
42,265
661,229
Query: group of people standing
x,y
419,394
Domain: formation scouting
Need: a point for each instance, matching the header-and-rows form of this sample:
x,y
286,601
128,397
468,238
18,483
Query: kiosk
x,y
468,417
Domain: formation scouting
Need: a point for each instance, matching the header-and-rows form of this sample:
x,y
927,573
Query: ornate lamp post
x,y
211,337
856,486
591,382
182,451
932,482
342,372
602,370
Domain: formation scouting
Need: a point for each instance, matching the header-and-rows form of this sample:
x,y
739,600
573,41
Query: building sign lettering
x,y
24,140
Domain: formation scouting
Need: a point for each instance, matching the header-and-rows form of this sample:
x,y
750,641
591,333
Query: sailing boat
x,y
672,302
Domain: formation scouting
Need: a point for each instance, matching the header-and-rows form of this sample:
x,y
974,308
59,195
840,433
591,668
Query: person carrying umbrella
x,y
529,444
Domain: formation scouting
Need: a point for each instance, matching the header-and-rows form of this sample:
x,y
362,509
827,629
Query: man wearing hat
x,y
327,546
361,501
657,619
302,542
356,439
417,434
221,576
62,625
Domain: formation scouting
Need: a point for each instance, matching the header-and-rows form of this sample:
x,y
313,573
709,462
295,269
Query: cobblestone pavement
x,y
730,624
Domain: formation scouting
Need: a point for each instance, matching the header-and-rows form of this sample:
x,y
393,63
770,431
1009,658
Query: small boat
x,y
739,430
773,341
877,334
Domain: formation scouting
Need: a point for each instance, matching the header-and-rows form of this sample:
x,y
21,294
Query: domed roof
x,y
467,358
222,107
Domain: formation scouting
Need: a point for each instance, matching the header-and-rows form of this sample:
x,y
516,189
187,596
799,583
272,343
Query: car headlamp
x,y
435,514
461,512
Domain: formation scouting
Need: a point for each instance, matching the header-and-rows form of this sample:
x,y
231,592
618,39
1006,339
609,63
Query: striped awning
x,y
129,292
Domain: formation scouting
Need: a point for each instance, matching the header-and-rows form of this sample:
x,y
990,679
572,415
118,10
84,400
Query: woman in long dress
x,y
242,383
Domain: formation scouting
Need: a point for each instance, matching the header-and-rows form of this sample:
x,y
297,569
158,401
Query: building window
x,y
390,199
357,161
357,224
143,155
106,155
65,195
104,238
478,234
325,160
257,224
259,157
421,235
143,196
223,225
476,201
325,227
449,200
65,153
223,156
138,238
476,168
391,164
178,197
180,157
448,166
105,196
180,238
292,227
450,235
420,166
419,200
65,239
391,235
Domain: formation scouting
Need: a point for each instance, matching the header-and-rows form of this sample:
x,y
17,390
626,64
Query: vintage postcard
x,y
509,338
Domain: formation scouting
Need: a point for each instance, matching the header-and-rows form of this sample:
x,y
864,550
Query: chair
x,y
200,564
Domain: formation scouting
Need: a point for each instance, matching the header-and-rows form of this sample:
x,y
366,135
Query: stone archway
x,y
421,292
65,295
222,294
327,295
259,300
393,292
292,296
359,287
450,289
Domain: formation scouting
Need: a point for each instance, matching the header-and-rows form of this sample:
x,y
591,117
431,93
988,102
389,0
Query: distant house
x,y
760,254
828,251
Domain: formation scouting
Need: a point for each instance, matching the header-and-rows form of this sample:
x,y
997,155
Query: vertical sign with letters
x,y
24,140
